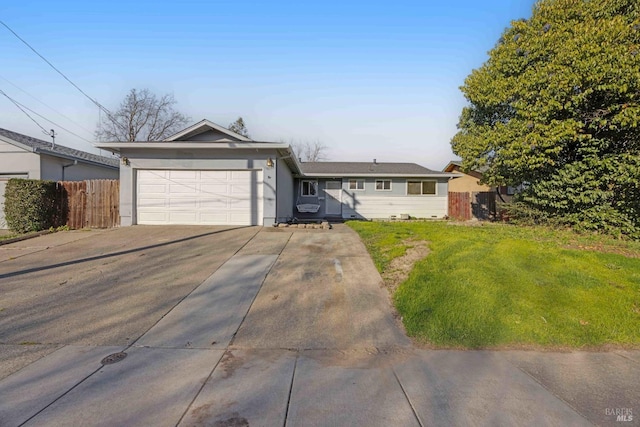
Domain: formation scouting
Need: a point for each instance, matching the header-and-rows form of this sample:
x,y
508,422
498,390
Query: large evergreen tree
x,y
556,108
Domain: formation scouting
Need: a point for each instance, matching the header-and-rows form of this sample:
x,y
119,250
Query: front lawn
x,y
511,287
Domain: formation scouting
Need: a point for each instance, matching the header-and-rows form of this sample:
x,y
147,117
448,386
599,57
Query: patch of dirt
x,y
235,421
399,268
230,363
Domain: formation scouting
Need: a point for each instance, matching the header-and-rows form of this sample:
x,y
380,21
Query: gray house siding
x,y
211,136
370,203
17,160
58,169
285,183
196,159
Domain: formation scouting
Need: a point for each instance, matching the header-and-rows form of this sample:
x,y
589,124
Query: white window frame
x,y
357,183
421,181
382,181
309,182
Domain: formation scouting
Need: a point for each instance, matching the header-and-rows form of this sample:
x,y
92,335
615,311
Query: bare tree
x,y
310,151
142,116
239,127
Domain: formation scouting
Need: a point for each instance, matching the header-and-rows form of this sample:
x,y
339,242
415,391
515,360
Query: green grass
x,y
7,235
501,286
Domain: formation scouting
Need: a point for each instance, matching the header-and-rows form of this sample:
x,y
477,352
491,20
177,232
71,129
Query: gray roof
x,y
458,163
367,168
44,147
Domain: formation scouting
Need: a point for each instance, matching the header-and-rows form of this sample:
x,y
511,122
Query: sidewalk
x,y
279,335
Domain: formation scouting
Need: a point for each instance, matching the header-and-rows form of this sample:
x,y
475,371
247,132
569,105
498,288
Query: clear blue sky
x,y
368,79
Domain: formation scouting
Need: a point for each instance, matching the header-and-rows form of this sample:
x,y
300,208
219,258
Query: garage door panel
x,y
240,205
152,217
217,204
182,218
182,175
240,175
214,189
183,204
186,188
145,175
240,189
199,197
149,189
215,175
213,218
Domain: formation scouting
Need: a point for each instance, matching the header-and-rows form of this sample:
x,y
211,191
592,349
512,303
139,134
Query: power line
x,y
27,114
46,105
100,106
23,107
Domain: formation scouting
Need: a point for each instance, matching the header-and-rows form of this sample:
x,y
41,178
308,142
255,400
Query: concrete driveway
x,y
251,326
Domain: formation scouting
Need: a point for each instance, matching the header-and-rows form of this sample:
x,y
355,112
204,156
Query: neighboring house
x,y
470,182
22,156
471,199
207,174
371,190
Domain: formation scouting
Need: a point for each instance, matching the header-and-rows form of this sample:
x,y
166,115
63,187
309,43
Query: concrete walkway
x,y
294,328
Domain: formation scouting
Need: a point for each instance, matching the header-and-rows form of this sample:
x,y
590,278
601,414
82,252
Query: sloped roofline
x,y
208,124
38,146
451,164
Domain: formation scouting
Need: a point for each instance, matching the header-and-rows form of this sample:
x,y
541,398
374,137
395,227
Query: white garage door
x,y
199,197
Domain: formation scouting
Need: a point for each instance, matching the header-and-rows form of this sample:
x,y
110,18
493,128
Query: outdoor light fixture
x,y
125,161
269,162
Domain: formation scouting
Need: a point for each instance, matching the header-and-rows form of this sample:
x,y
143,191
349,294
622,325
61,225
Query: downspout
x,y
75,162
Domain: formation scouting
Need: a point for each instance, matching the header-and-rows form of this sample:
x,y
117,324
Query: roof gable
x,y
207,131
453,166
456,166
39,146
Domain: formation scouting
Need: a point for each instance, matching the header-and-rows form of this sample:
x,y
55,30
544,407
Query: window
x,y
309,188
421,187
383,185
356,184
333,185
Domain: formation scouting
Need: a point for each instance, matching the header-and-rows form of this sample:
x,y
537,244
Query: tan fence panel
x,y
92,203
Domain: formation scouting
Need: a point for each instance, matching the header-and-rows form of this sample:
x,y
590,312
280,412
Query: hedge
x,y
32,205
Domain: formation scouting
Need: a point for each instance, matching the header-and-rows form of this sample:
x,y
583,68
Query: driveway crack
x,y
293,376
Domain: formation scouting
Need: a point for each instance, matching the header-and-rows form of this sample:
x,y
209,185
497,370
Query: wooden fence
x,y
464,206
90,204
460,206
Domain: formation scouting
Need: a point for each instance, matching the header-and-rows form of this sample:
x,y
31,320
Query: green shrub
x,y
602,219
32,205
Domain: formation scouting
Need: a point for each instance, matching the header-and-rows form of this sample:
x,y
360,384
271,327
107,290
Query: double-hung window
x,y
421,188
309,188
383,185
356,184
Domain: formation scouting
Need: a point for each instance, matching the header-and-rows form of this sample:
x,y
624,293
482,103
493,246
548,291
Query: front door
x,y
333,198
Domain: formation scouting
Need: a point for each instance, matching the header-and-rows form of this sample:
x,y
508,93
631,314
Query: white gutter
x,y
380,175
191,145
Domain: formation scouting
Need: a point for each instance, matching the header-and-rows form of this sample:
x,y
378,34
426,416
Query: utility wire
x,y
23,107
100,106
18,105
46,105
